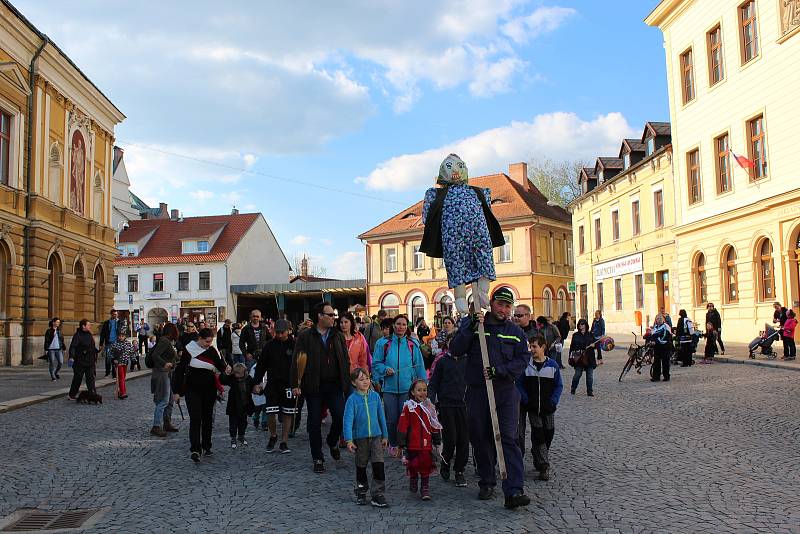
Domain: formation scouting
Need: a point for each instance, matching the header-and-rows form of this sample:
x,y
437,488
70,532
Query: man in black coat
x,y
713,317
253,338
82,355
224,343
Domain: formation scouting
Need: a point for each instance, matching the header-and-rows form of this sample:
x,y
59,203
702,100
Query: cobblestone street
x,y
714,450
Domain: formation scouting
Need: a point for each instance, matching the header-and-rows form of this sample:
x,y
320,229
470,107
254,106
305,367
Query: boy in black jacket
x,y
276,361
447,388
240,403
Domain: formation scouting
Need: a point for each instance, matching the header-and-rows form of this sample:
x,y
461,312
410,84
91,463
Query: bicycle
x,y
638,356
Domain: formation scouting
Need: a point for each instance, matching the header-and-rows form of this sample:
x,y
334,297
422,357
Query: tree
x,y
302,266
557,180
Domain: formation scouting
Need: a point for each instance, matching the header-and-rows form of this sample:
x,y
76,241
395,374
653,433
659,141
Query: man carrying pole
x,y
492,398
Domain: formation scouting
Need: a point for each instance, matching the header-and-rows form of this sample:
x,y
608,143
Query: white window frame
x,y
132,277
156,280
615,239
650,143
17,142
618,305
188,281
505,254
547,302
417,258
201,248
189,247
199,279
390,260
626,161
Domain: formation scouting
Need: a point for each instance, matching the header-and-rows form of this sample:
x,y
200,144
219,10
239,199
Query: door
x,y
662,290
584,302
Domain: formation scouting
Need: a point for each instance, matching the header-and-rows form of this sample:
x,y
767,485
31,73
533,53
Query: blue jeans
x,y
238,358
55,360
393,405
163,405
576,378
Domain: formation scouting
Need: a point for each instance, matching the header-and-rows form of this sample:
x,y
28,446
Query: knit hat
x,y
281,325
504,294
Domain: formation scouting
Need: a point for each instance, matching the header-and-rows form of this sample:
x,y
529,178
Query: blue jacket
x,y
598,328
404,357
660,334
507,345
364,417
540,389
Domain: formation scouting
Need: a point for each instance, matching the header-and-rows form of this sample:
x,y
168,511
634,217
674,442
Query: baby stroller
x,y
764,342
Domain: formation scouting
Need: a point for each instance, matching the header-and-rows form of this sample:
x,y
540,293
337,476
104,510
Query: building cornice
x,y
666,12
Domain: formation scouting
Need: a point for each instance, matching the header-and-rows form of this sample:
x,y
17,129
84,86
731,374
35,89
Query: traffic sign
x,y
571,287
130,299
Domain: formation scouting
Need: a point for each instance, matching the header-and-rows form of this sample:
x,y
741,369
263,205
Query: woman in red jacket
x,y
357,346
417,432
789,349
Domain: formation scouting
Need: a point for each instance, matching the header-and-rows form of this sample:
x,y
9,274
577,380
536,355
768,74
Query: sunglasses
x,y
519,315
329,314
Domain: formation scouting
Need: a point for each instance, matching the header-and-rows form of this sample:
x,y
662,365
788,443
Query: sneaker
x,y
413,484
379,501
52,379
444,471
233,444
336,454
271,444
572,392
515,501
486,493
461,482
284,448
195,457
319,466
361,498
243,442
544,474
58,377
590,394
207,452
392,452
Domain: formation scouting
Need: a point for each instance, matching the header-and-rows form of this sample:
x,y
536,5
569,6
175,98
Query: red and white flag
x,y
743,161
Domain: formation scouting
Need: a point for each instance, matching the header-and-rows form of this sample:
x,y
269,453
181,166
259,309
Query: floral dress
x,y
466,242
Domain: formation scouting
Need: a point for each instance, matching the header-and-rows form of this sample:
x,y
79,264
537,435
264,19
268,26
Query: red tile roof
x,y
165,244
509,200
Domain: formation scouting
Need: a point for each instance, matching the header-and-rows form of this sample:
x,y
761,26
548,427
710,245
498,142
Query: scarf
x,y
429,409
199,360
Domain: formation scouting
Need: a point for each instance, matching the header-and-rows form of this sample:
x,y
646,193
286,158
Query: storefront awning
x,y
299,288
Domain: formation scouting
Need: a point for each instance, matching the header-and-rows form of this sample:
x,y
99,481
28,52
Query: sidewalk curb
x,y
16,404
772,364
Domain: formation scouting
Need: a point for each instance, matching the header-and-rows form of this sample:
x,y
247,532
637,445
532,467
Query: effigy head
x,y
452,171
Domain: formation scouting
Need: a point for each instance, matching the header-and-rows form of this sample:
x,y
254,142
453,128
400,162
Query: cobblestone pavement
x,y
714,450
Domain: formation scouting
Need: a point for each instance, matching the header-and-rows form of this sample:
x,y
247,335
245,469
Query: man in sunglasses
x,y
253,338
323,368
522,317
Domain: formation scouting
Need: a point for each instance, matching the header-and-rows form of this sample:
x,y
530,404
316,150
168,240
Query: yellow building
x,y
623,232
535,263
732,70
56,137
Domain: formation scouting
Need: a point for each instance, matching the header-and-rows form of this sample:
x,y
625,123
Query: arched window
x,y
731,276
391,303
547,298
417,308
54,173
766,271
562,301
99,293
5,267
80,292
446,306
54,286
700,280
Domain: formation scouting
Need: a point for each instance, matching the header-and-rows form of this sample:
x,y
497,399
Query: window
x,y
598,237
600,177
600,296
158,282
626,161
391,303
561,298
440,263
121,250
183,281
5,148
701,280
618,294
202,246
716,70
748,32
658,208
504,255
693,175
446,306
651,145
391,260
116,284
54,286
731,276
756,150
615,225
547,300
687,76
570,259
133,283
418,259
636,221
723,164
189,247
127,250
417,308
581,246
638,282
204,283
766,272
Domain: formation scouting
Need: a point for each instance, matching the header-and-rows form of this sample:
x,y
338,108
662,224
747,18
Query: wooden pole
x,y
498,443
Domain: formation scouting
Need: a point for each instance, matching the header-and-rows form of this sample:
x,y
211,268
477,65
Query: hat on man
x,y
504,294
281,325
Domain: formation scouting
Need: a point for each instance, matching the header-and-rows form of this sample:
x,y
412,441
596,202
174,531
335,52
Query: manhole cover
x,y
32,520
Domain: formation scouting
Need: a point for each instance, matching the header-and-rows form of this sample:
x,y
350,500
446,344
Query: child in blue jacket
x,y
541,390
366,435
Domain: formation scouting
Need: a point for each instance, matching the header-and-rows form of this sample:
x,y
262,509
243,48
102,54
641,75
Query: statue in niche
x,y
77,173
790,15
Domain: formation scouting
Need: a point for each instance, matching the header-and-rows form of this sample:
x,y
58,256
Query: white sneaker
x,y
233,444
243,442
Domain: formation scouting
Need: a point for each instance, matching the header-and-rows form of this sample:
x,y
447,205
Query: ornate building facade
x,y
56,242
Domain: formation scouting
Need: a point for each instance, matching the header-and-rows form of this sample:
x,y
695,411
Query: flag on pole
x,y
743,161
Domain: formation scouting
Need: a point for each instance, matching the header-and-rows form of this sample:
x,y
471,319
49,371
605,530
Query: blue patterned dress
x,y
466,243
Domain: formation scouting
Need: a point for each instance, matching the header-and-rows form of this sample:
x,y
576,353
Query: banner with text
x,y
618,267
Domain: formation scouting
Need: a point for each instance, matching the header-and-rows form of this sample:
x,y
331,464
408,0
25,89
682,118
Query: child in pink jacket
x,y
789,349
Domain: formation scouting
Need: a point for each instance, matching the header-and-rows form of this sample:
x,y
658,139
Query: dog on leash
x,y
89,397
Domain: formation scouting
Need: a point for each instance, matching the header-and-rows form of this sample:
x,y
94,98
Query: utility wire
x,y
259,173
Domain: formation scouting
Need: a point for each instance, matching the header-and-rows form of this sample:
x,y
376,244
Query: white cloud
x,y
201,195
495,77
557,135
348,265
300,239
542,20
326,242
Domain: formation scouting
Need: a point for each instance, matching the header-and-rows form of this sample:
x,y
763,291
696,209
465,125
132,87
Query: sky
x,y
331,117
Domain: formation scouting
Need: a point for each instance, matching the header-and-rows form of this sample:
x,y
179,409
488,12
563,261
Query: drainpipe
x,y
26,358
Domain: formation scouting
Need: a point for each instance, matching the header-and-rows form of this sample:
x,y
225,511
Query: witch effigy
x,y
461,229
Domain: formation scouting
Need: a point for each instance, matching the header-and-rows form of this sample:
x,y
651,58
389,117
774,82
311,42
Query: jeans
x,y
80,371
164,405
719,341
55,359
576,378
110,367
555,355
238,358
332,397
393,406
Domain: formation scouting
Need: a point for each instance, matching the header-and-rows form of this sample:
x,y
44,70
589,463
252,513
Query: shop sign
x,y
571,287
618,267
157,296
197,304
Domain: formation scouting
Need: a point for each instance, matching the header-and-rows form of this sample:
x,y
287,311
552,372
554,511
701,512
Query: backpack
x,y
148,360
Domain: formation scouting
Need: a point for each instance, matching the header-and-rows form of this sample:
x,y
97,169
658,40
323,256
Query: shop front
x,y
202,310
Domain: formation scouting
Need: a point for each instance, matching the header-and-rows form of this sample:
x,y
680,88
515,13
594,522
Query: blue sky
x,y
318,100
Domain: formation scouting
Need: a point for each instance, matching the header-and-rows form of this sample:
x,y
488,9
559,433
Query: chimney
x,y
234,211
304,266
163,212
519,173
174,215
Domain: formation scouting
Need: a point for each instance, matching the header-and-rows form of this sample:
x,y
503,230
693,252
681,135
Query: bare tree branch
x,y
312,269
557,180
